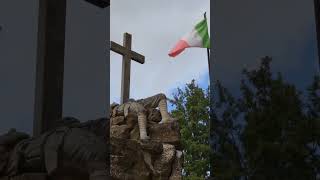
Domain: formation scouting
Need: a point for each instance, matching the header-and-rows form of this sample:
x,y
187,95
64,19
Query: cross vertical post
x,y
50,62
127,54
126,69
50,65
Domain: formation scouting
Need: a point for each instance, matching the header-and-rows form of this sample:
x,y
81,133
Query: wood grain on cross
x,y
127,56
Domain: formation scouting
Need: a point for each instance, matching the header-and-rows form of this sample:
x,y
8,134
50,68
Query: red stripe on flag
x,y
180,46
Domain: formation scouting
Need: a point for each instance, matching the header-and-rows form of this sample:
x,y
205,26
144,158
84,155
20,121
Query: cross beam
x,y
127,56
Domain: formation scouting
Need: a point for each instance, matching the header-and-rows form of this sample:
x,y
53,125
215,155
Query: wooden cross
x,y
127,56
50,62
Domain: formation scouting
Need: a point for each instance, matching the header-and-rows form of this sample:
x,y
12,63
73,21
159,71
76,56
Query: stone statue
x,y
139,107
80,146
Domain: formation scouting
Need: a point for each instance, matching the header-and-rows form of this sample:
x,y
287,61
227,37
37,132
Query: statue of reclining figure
x,y
140,107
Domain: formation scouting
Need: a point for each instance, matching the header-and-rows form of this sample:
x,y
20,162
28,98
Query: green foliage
x,y
192,112
271,131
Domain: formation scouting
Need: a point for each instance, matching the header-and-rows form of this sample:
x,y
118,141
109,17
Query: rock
x,y
166,133
154,115
118,120
129,159
121,131
177,166
159,158
134,133
163,165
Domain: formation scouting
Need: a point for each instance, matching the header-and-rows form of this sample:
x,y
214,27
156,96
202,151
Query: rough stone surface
x,y
118,120
160,158
163,165
166,133
177,166
121,131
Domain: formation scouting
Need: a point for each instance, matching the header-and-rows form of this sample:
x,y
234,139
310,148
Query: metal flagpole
x,y
208,49
211,108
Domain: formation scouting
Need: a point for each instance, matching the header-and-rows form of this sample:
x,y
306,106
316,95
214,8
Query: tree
x,y
192,112
271,131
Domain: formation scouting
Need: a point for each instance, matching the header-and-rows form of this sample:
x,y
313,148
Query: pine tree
x,y
192,112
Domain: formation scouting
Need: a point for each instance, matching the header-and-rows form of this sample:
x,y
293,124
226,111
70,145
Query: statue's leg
x,y
142,122
159,100
164,112
153,101
142,119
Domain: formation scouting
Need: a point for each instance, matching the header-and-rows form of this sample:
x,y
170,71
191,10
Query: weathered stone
x,y
155,159
118,162
128,160
176,173
154,115
132,120
131,158
55,153
135,134
163,165
121,131
121,146
166,133
119,120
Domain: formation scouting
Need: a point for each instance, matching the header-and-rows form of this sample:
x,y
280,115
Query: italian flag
x,y
198,37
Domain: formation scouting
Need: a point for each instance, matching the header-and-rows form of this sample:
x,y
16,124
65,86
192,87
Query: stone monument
x,y
138,158
73,146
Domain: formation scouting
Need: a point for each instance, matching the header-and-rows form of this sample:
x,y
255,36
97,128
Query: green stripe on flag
x,y
202,29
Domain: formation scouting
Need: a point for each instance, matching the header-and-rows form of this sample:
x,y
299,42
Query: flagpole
x,y
208,50
211,111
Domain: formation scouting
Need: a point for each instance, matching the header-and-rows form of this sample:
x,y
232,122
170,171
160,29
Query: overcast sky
x,y
242,32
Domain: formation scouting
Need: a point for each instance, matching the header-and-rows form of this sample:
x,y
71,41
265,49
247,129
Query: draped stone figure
x,y
139,107
73,145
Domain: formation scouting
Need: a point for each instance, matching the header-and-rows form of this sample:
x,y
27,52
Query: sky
x,y
241,33
156,26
